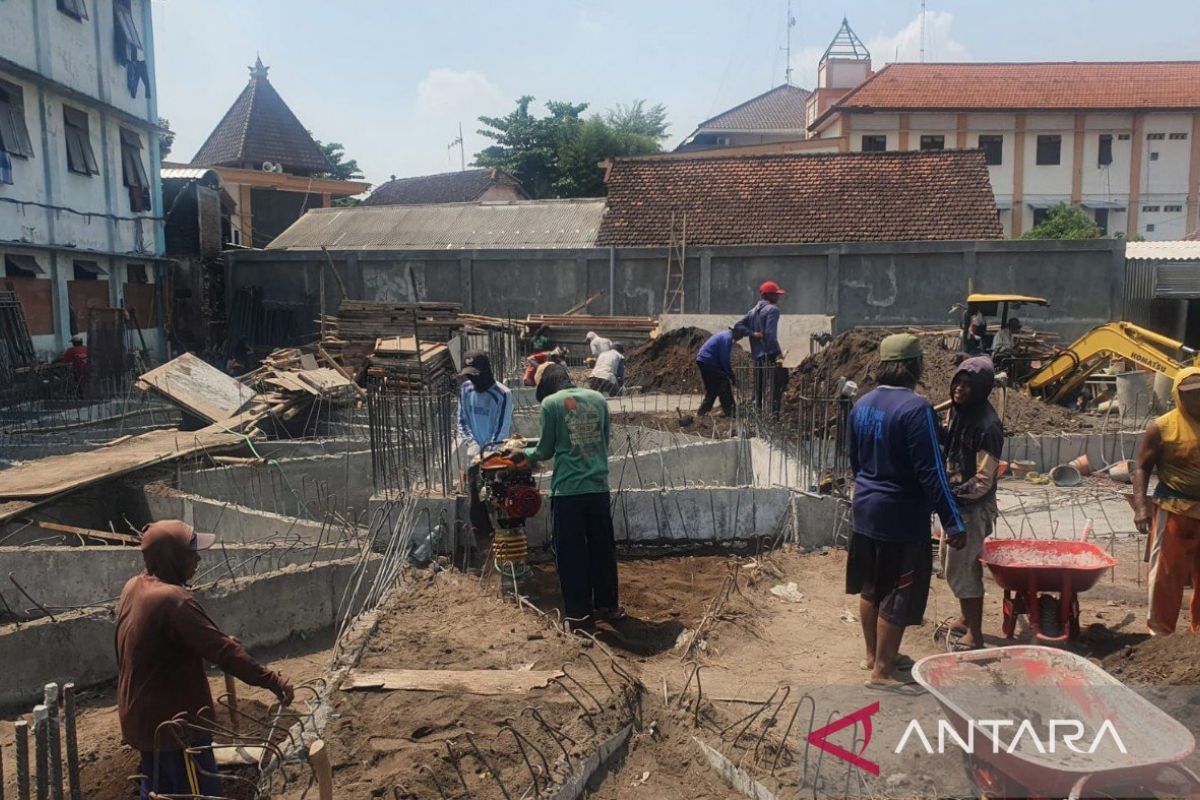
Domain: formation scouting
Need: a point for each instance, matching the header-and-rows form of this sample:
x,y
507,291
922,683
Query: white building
x,y
1121,139
80,197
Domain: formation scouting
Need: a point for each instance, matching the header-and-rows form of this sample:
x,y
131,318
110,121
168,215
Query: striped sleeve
x,y
926,458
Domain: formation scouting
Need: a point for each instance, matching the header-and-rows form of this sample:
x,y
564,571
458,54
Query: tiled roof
x,y
781,199
1062,85
448,187
780,109
260,127
448,226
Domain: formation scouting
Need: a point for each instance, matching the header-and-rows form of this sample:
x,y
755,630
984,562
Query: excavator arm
x,y
1067,371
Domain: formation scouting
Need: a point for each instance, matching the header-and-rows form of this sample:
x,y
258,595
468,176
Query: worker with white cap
x,y
164,637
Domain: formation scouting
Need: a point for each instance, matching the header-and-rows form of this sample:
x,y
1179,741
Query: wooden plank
x,y
90,533
471,681
236,755
55,474
199,387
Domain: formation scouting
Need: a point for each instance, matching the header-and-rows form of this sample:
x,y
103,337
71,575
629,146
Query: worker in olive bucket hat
x,y
899,480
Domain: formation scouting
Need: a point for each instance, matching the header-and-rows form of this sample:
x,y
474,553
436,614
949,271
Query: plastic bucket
x,y
1121,472
1066,475
1082,465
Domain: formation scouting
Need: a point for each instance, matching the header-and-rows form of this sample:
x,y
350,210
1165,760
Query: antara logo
x,y
819,737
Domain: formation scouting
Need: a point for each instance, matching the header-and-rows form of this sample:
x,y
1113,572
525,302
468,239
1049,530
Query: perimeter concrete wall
x,y
856,283
261,612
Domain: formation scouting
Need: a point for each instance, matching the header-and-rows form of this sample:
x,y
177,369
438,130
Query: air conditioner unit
x,y
267,166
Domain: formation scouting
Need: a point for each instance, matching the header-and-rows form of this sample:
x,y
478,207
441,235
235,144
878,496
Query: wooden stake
x,y
318,759
231,690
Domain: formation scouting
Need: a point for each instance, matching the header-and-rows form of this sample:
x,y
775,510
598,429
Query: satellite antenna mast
x,y
791,23
922,31
462,153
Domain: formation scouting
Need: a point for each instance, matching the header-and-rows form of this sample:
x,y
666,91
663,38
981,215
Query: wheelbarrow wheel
x,y
1050,623
989,783
1009,625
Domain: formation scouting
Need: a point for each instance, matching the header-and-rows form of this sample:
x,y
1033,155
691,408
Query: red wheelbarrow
x,y
1133,756
1042,579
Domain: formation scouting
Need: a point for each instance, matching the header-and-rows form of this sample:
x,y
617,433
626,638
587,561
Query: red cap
x,y
771,287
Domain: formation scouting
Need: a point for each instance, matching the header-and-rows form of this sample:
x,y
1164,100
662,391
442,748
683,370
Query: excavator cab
x,y
978,339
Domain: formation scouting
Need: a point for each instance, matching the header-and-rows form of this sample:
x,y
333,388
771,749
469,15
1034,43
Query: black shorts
x,y
893,575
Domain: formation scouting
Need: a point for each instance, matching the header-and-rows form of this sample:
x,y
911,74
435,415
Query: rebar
x,y
72,745
50,697
21,751
41,752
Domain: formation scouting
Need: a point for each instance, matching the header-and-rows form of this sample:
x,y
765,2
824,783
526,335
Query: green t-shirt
x,y
575,435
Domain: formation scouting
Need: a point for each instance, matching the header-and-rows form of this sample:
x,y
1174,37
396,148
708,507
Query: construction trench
x,y
345,560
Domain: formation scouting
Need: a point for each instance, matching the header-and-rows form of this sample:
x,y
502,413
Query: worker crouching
x,y
164,637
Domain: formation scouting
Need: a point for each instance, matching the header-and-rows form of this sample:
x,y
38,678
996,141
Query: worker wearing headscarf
x,y
164,637
1171,446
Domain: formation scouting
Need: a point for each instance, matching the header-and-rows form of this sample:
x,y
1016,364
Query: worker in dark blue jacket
x,y
761,324
715,362
899,480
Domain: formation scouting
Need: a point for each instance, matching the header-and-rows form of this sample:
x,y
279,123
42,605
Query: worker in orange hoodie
x,y
164,637
1171,446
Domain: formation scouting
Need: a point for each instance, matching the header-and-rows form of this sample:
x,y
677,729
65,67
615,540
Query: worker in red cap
x,y
762,322
164,637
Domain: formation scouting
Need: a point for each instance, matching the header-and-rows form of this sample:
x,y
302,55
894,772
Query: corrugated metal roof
x,y
1163,251
1179,281
183,173
448,226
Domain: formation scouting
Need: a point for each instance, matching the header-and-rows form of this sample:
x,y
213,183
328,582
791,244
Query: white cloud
x,y
460,94
940,44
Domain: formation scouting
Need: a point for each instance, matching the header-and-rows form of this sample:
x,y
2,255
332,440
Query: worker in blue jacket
x,y
715,362
761,324
899,480
484,420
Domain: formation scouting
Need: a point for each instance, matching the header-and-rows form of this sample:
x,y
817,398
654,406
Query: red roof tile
x,y
1063,85
782,199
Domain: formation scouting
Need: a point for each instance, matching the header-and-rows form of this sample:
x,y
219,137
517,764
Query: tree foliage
x,y
558,155
1065,222
166,139
343,169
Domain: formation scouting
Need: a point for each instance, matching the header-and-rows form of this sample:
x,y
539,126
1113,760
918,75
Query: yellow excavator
x,y
1066,372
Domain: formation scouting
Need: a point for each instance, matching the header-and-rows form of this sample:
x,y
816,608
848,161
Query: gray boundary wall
x,y
858,283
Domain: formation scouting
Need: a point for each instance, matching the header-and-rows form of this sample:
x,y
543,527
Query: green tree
x,y
166,139
1065,222
558,155
343,170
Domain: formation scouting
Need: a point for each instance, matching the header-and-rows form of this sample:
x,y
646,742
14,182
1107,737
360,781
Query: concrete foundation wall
x,y
261,612
713,463
1049,450
233,524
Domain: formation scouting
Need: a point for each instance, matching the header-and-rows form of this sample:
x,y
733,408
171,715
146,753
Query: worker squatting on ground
x,y
715,362
597,344
974,442
608,374
1171,446
485,412
164,637
575,428
761,324
899,479
77,356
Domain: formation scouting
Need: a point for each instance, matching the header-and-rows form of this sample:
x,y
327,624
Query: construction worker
x,y
1171,446
164,637
974,442
575,428
899,479
597,344
762,326
608,374
484,419
77,356
532,362
715,362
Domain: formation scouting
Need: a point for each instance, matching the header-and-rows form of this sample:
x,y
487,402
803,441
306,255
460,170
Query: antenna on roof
x,y
462,153
922,31
791,23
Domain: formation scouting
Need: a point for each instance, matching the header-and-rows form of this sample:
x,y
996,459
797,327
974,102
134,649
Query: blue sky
x,y
391,79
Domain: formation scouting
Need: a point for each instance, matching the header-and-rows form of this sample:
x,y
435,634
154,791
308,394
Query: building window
x,y
136,273
1049,149
874,143
87,271
126,41
1122,137
1154,137
1150,209
1154,155
1102,220
133,175
73,8
1173,209
1150,228
14,136
1039,216
19,266
1178,137
993,150
929,142
1104,157
80,157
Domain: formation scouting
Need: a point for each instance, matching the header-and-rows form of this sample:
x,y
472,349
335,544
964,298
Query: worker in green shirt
x,y
575,434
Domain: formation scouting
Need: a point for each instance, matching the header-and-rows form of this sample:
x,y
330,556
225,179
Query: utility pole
x,y
791,23
462,153
922,31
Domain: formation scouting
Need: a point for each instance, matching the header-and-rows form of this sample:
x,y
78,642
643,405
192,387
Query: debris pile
x,y
1160,661
855,355
668,363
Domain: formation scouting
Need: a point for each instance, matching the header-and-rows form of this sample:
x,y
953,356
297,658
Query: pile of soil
x,y
668,363
854,355
1160,660
684,420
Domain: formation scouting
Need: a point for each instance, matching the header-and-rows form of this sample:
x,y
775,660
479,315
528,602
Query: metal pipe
x,y
41,756
50,698
21,739
72,743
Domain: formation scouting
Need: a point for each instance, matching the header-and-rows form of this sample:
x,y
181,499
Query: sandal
x,y
903,662
903,689
611,614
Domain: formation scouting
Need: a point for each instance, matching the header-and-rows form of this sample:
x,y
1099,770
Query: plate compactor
x,y
509,491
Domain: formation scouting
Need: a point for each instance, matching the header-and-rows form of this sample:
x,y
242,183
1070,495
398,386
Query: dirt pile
x,y
1160,660
854,355
668,363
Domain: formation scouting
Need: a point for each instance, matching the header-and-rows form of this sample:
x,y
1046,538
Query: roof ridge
x,y
436,175
1036,63
253,89
659,157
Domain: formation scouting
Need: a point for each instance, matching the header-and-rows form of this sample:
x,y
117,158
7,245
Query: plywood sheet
x,y
199,387
56,474
470,681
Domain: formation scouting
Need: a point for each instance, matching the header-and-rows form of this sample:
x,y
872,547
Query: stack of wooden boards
x,y
351,335
570,330
397,362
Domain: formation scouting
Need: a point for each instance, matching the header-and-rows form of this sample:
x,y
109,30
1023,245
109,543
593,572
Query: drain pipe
x,y
612,279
